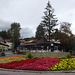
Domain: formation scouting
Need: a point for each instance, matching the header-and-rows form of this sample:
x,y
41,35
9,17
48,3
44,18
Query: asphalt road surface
x,y
10,54
25,73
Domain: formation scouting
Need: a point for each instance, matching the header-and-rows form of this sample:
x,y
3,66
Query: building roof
x,y
29,41
73,35
32,41
3,44
42,41
22,40
7,40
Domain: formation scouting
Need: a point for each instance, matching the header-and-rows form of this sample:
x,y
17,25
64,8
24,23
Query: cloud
x,y
27,32
5,3
29,12
4,25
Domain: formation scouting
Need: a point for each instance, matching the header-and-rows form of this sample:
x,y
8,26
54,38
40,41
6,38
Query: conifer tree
x,y
49,21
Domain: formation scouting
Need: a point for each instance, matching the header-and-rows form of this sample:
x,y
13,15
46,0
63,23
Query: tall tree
x,y
40,32
9,34
66,36
15,33
3,34
49,20
65,28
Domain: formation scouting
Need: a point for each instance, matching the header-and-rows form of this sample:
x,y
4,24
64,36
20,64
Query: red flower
x,y
31,64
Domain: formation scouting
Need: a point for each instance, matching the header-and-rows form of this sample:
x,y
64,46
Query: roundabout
x,y
22,64
38,64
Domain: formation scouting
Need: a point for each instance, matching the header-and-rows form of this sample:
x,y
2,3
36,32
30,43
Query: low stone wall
x,y
49,54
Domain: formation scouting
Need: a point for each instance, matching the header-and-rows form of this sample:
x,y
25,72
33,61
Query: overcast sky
x,y
29,12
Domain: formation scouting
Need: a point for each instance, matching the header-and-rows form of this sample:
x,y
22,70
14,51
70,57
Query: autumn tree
x,y
65,28
66,36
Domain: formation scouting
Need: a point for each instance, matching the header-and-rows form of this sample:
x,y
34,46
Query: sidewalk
x,y
26,73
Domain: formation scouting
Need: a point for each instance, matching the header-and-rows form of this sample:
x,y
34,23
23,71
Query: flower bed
x,y
10,59
65,64
44,64
31,64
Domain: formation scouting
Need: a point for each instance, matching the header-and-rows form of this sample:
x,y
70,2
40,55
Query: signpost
x,y
17,47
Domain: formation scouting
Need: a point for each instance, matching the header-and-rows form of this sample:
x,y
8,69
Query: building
x,y
3,45
9,43
42,44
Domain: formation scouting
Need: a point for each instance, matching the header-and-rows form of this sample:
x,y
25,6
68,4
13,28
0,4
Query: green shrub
x,y
2,54
42,57
69,55
35,57
29,55
15,52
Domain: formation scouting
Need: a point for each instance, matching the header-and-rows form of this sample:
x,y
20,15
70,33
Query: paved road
x,y
25,73
10,54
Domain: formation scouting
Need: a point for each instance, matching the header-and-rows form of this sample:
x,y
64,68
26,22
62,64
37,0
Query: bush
x,y
35,57
42,57
69,55
2,54
15,52
29,55
18,52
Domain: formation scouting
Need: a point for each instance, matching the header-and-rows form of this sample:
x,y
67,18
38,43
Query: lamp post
x,y
74,47
52,47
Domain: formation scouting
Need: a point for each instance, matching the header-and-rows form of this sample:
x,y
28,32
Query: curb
x,y
29,71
